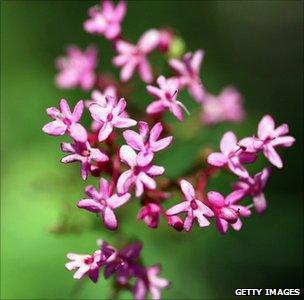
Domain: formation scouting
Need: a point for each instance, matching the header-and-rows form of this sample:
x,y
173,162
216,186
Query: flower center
x,y
85,152
89,260
193,204
110,117
136,170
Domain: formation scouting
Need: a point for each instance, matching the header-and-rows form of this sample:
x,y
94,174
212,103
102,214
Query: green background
x,y
256,46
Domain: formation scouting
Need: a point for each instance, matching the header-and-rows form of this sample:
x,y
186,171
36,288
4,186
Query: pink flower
x,y
268,138
188,70
77,68
146,142
106,20
66,121
134,57
150,214
194,208
166,96
124,264
165,40
110,114
176,222
98,97
150,282
227,106
83,153
253,187
232,155
226,211
88,265
103,202
141,176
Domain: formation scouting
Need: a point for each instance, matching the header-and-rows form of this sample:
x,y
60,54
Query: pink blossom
x,y
268,138
141,176
227,106
150,282
88,265
103,202
146,142
134,57
66,121
83,153
150,214
232,155
124,263
253,187
176,222
106,19
77,68
188,70
165,39
226,210
98,97
166,98
194,208
110,115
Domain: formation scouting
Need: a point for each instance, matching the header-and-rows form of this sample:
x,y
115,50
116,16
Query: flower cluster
x,y
127,170
123,265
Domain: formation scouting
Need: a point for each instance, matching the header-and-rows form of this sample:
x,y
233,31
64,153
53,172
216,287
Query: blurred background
x,y
255,45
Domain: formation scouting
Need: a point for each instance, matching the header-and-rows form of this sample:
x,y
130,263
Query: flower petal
x,y
216,199
228,142
178,208
90,205
128,155
55,128
134,140
110,219
266,127
217,159
78,133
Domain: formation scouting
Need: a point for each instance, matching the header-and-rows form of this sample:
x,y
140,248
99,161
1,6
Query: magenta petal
x,y
273,156
125,181
228,214
117,201
161,144
56,127
216,199
110,218
259,202
235,196
178,208
265,127
187,189
90,205
78,110
123,122
144,157
155,132
217,159
65,108
133,139
105,131
247,158
94,274
228,142
156,107
128,155
78,133
221,225
283,141
155,170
